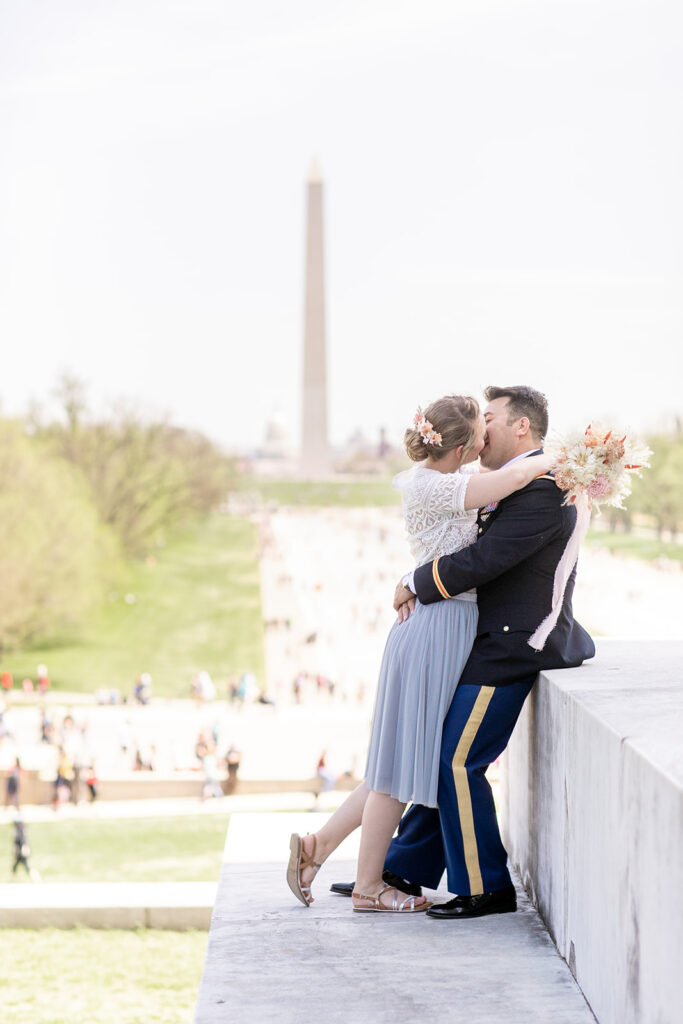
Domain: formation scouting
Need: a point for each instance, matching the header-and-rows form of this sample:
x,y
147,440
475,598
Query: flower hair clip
x,y
425,428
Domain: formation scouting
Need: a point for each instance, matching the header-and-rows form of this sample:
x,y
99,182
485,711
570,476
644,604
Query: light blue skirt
x,y
422,663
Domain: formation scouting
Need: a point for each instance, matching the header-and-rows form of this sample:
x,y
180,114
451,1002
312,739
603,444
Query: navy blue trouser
x,y
462,835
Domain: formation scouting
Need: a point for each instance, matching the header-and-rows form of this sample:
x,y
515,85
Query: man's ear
x,y
523,428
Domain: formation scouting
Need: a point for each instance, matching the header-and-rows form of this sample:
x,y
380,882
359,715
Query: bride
x,y
423,657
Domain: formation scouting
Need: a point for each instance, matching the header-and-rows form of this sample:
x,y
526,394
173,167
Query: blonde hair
x,y
454,417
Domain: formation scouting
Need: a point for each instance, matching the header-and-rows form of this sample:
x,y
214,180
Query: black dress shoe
x,y
342,888
500,901
346,888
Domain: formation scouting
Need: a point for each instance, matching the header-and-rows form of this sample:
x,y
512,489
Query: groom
x,y
520,542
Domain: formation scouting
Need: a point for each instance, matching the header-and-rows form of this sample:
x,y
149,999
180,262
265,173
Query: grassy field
x,y
178,849
85,976
374,493
347,494
649,549
196,605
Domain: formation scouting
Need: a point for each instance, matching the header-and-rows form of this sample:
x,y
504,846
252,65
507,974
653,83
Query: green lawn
x,y
647,548
350,494
374,493
86,976
179,849
197,605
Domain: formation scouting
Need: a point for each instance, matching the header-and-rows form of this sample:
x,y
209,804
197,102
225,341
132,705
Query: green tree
x,y
146,479
54,551
659,492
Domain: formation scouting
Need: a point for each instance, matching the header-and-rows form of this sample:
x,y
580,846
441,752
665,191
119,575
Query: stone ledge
x,y
38,788
177,906
592,812
271,959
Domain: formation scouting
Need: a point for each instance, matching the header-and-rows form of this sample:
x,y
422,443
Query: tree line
x,y
657,496
82,493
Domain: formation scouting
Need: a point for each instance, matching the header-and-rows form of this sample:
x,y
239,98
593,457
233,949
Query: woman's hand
x,y
547,461
404,602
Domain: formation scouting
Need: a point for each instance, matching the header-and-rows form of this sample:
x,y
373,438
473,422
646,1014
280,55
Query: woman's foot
x,y
303,866
387,899
310,863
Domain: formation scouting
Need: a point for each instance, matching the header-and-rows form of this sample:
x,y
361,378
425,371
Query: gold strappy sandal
x,y
406,906
298,860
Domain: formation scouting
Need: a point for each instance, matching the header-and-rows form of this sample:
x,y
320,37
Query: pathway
x,y
271,959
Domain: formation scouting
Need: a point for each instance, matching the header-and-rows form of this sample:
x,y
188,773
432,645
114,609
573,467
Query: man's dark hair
x,y
523,401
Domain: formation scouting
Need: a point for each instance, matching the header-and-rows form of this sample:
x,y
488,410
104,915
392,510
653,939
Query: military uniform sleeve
x,y
528,520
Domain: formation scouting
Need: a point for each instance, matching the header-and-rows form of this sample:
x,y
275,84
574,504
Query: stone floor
x,y
271,959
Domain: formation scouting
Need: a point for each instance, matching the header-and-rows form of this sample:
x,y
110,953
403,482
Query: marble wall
x,y
592,817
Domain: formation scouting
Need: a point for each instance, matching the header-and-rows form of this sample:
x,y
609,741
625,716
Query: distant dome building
x,y
358,442
276,443
274,457
363,453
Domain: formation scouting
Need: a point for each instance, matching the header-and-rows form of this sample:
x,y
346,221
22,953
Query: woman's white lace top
x,y
434,511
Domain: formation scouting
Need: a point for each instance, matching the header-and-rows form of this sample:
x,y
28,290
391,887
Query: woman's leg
x,y
380,817
341,824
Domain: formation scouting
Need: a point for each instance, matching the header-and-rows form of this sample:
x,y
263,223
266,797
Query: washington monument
x,y
315,454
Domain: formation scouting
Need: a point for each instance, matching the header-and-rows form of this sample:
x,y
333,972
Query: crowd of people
x,y
28,686
212,763
71,744
323,631
308,665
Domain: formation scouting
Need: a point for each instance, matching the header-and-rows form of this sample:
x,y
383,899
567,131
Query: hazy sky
x,y
503,204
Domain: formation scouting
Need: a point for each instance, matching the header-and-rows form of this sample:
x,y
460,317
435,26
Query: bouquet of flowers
x,y
596,467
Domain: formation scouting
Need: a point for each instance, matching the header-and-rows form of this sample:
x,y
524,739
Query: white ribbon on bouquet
x,y
563,572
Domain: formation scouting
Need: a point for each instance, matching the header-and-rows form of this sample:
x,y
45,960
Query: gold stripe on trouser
x,y
462,788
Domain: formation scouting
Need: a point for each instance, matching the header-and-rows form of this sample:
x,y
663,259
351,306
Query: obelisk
x,y
315,454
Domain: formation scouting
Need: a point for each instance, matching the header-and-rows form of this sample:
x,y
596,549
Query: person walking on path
x,y
423,659
22,851
13,784
233,759
209,758
91,781
61,790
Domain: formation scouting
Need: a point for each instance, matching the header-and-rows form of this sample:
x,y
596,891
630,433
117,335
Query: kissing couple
x,y
458,662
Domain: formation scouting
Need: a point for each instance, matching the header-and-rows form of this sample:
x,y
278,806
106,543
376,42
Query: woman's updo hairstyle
x,y
454,417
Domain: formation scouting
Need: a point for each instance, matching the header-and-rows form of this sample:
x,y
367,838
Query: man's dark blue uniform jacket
x,y
512,565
